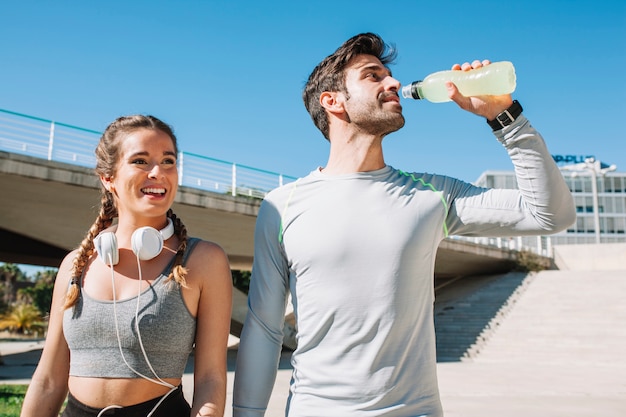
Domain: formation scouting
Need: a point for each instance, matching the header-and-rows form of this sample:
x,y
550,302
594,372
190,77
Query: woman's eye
x,y
169,161
138,161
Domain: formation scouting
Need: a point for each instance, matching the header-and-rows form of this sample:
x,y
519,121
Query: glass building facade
x,y
611,202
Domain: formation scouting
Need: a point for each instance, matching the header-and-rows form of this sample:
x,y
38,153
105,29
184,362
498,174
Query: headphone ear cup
x,y
106,246
147,243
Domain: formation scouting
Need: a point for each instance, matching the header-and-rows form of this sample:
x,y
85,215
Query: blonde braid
x,y
86,248
179,272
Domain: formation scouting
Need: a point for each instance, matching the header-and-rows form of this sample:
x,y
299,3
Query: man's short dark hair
x,y
329,75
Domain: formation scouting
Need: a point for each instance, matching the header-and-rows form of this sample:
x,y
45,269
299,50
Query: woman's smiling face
x,y
146,177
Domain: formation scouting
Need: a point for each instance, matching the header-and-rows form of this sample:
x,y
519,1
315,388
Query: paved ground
x,y
558,351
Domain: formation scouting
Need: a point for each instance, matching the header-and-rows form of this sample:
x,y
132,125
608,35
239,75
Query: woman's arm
x,y
48,387
213,327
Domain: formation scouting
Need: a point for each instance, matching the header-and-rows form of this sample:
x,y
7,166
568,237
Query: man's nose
x,y
393,84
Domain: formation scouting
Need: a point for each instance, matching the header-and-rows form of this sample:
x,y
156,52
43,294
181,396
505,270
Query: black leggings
x,y
174,405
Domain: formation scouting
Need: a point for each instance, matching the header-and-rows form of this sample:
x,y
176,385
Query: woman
x,y
133,299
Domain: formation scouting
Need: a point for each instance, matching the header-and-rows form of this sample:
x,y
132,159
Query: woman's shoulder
x,y
197,245
69,258
64,274
208,266
205,254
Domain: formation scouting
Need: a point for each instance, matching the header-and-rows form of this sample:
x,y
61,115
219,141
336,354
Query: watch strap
x,y
507,117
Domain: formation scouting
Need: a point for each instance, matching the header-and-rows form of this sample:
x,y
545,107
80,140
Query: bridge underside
x,y
19,249
48,207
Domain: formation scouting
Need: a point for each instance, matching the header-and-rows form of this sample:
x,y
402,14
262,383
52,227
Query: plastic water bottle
x,y
494,79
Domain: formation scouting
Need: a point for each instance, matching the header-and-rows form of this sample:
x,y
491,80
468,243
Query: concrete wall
x,y
591,257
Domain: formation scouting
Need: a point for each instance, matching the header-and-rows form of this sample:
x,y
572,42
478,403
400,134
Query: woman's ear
x,y
108,184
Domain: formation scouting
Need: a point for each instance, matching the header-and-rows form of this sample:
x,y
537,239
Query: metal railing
x,y
54,141
60,142
540,245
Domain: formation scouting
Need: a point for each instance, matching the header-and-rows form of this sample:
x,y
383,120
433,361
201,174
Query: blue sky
x,y
228,75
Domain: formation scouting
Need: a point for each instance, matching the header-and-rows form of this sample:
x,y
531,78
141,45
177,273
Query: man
x,y
355,244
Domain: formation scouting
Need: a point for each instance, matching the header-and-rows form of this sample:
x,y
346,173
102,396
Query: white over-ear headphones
x,y
146,242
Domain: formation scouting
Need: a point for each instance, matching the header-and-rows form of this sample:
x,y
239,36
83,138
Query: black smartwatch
x,y
506,117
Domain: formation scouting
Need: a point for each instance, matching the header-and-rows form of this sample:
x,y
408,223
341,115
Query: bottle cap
x,y
411,90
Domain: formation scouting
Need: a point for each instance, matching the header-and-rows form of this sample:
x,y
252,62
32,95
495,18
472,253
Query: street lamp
x,y
596,168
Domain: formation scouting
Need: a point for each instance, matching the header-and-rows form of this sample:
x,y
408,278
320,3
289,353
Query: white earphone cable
x,y
158,380
143,350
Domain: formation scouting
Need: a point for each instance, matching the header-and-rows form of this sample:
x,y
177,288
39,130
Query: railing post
x,y
51,141
549,247
234,181
280,180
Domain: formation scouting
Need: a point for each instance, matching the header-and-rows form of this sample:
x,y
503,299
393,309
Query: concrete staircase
x,y
547,316
577,317
467,314
549,344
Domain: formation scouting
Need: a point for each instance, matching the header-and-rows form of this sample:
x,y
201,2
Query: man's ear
x,y
332,101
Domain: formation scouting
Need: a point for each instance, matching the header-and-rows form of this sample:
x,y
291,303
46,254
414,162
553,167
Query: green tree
x,y
241,280
10,274
23,319
40,295
528,261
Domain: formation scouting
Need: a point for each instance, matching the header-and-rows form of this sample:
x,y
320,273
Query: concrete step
x,y
468,312
549,317
576,316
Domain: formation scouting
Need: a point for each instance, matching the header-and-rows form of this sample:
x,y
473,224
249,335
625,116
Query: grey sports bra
x,y
167,330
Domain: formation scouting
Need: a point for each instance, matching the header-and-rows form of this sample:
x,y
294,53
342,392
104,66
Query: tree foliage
x,y
23,319
241,280
40,295
528,261
25,301
10,276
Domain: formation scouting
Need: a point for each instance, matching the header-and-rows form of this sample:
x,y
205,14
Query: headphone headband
x,y
168,231
146,242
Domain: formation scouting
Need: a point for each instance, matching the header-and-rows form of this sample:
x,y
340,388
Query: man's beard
x,y
378,123
376,120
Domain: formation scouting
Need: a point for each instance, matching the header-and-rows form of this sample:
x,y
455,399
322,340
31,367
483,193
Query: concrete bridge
x,y
48,206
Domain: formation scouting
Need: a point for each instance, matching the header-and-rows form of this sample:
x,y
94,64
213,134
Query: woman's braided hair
x,y
108,153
